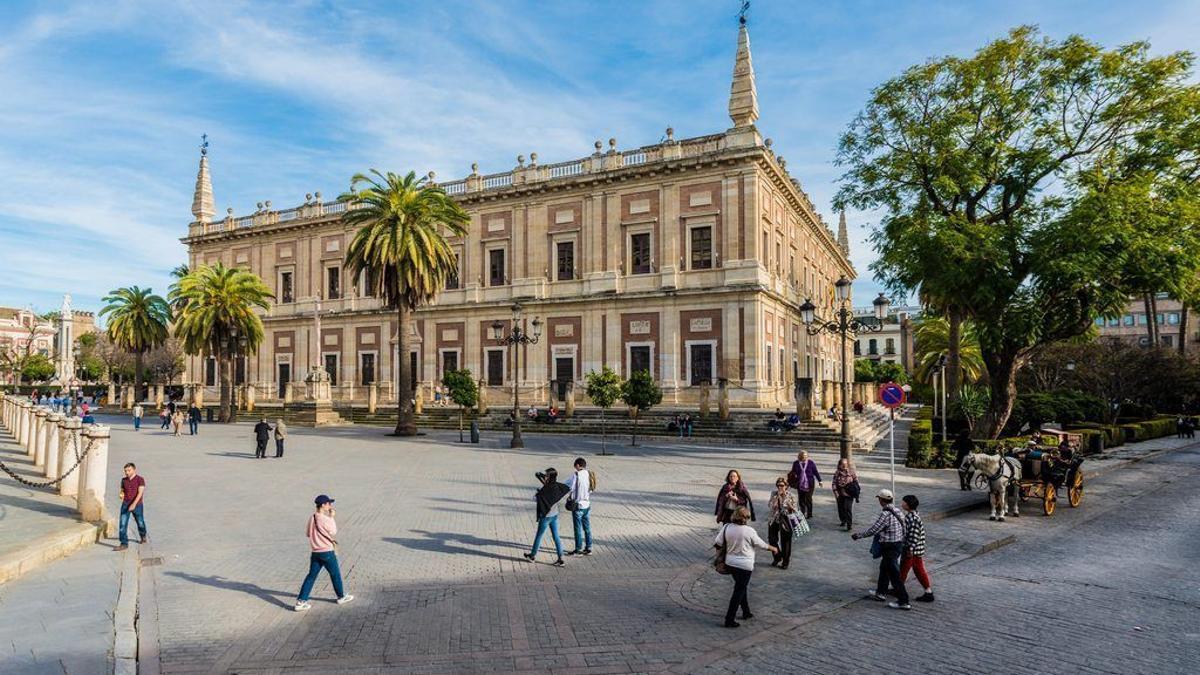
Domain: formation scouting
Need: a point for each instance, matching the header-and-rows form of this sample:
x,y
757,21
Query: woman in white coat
x,y
739,541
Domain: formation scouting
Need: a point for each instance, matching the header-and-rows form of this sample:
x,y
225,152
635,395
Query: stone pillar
x,y
289,393
481,401
23,423
418,399
158,395
127,397
50,450
95,476
68,441
198,395
372,398
705,402
37,440
570,398
723,399
249,397
112,394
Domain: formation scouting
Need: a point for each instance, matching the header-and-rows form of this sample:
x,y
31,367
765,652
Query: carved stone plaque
x,y
639,327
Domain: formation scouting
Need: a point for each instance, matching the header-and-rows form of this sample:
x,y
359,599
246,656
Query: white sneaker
x,y
876,596
899,605
303,606
344,599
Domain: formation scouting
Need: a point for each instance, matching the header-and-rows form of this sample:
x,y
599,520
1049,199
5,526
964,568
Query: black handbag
x,y
719,561
572,504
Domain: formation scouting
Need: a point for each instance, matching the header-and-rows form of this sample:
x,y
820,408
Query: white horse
x,y
1003,474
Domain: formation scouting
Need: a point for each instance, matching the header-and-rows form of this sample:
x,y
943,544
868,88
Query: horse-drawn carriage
x,y
1037,471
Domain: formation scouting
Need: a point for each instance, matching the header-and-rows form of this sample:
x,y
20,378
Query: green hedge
x,y
920,444
1092,442
1158,428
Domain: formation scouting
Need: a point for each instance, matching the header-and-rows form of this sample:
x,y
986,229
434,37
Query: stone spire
x,y
202,201
843,236
743,97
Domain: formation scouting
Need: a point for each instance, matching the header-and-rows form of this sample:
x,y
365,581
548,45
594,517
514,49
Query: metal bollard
x,y
68,440
91,487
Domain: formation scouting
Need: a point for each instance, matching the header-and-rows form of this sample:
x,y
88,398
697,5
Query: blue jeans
x,y
328,560
124,522
543,523
193,425
582,522
166,423
137,423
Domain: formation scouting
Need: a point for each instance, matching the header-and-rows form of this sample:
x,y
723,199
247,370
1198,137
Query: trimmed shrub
x,y
1133,433
1092,442
1158,428
920,445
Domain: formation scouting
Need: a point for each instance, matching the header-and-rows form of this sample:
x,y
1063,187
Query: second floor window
x,y
889,346
333,286
368,283
452,278
639,253
496,267
702,248
873,346
286,288
566,261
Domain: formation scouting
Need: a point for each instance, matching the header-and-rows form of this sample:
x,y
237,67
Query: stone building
x,y
892,344
22,333
688,258
1175,328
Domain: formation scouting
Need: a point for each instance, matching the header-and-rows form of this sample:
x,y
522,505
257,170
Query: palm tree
x,y
219,319
137,322
932,338
178,273
403,222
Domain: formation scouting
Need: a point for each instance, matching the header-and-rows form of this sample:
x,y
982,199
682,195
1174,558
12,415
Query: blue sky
x,y
104,102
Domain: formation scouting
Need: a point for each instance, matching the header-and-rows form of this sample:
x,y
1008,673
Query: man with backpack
x,y
888,531
579,503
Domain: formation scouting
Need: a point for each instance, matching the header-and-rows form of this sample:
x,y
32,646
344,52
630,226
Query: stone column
x,y
705,404
50,450
95,476
723,400
37,442
570,398
481,401
22,423
127,397
249,397
289,393
158,395
418,399
198,395
112,394
372,398
68,440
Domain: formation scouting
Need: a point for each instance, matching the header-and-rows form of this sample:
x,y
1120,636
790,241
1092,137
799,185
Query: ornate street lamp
x,y
515,338
845,324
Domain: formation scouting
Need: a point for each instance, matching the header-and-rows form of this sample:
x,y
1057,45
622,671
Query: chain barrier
x,y
51,483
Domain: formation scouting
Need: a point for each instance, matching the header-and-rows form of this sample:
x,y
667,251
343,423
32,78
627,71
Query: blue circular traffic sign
x,y
891,395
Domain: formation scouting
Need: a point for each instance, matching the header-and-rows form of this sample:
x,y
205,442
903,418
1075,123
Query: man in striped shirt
x,y
914,547
888,529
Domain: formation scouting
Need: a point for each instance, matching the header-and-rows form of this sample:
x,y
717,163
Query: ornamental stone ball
x,y
598,146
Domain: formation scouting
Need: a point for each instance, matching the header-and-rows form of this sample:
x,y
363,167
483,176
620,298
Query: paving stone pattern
x,y
431,535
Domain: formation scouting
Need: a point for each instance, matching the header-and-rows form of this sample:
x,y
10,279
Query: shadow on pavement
x,y
240,586
440,542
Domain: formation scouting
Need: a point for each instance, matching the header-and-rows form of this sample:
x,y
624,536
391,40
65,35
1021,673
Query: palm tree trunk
x,y
1183,322
225,365
953,357
406,423
137,376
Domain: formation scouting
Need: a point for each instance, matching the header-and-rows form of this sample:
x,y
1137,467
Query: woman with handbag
x,y
846,491
735,545
732,496
779,532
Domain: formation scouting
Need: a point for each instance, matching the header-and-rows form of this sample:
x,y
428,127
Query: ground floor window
x,y
331,367
495,367
367,368
639,359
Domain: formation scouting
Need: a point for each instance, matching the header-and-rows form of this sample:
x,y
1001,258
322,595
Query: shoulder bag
x,y
573,503
719,561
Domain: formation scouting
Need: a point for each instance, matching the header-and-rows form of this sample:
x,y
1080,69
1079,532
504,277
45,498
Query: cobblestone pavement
x,y
431,537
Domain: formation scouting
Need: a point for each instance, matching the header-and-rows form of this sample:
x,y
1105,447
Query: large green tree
x,y
138,321
219,318
401,242
997,173
933,338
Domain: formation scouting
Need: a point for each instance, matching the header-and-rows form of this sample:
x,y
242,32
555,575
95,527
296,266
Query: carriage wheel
x,y
980,482
1075,493
1049,498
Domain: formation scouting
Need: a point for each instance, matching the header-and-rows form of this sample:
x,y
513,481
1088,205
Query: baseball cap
x,y
882,494
323,499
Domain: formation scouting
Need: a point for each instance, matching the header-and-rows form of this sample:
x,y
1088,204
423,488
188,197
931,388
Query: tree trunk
x,y
953,354
225,365
137,376
603,438
635,426
1157,341
1149,318
460,423
406,423
1002,381
1183,322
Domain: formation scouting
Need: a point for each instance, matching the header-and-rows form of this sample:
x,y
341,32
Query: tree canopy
x,y
1011,183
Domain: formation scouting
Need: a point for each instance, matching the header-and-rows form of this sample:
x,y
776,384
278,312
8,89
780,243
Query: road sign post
x,y
892,396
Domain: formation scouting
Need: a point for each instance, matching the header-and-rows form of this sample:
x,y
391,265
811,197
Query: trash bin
x,y
474,431
208,415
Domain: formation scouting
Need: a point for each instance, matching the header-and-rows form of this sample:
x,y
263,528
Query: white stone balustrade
x,y
38,439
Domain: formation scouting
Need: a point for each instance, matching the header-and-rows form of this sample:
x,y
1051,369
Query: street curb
x,y
51,547
125,639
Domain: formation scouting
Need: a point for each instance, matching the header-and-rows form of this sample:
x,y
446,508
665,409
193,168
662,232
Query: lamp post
x,y
845,324
516,338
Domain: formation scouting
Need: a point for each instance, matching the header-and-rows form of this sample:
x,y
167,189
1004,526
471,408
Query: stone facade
x,y
1132,325
689,258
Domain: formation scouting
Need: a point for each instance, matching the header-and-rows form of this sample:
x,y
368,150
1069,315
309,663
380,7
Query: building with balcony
x,y
687,258
893,344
